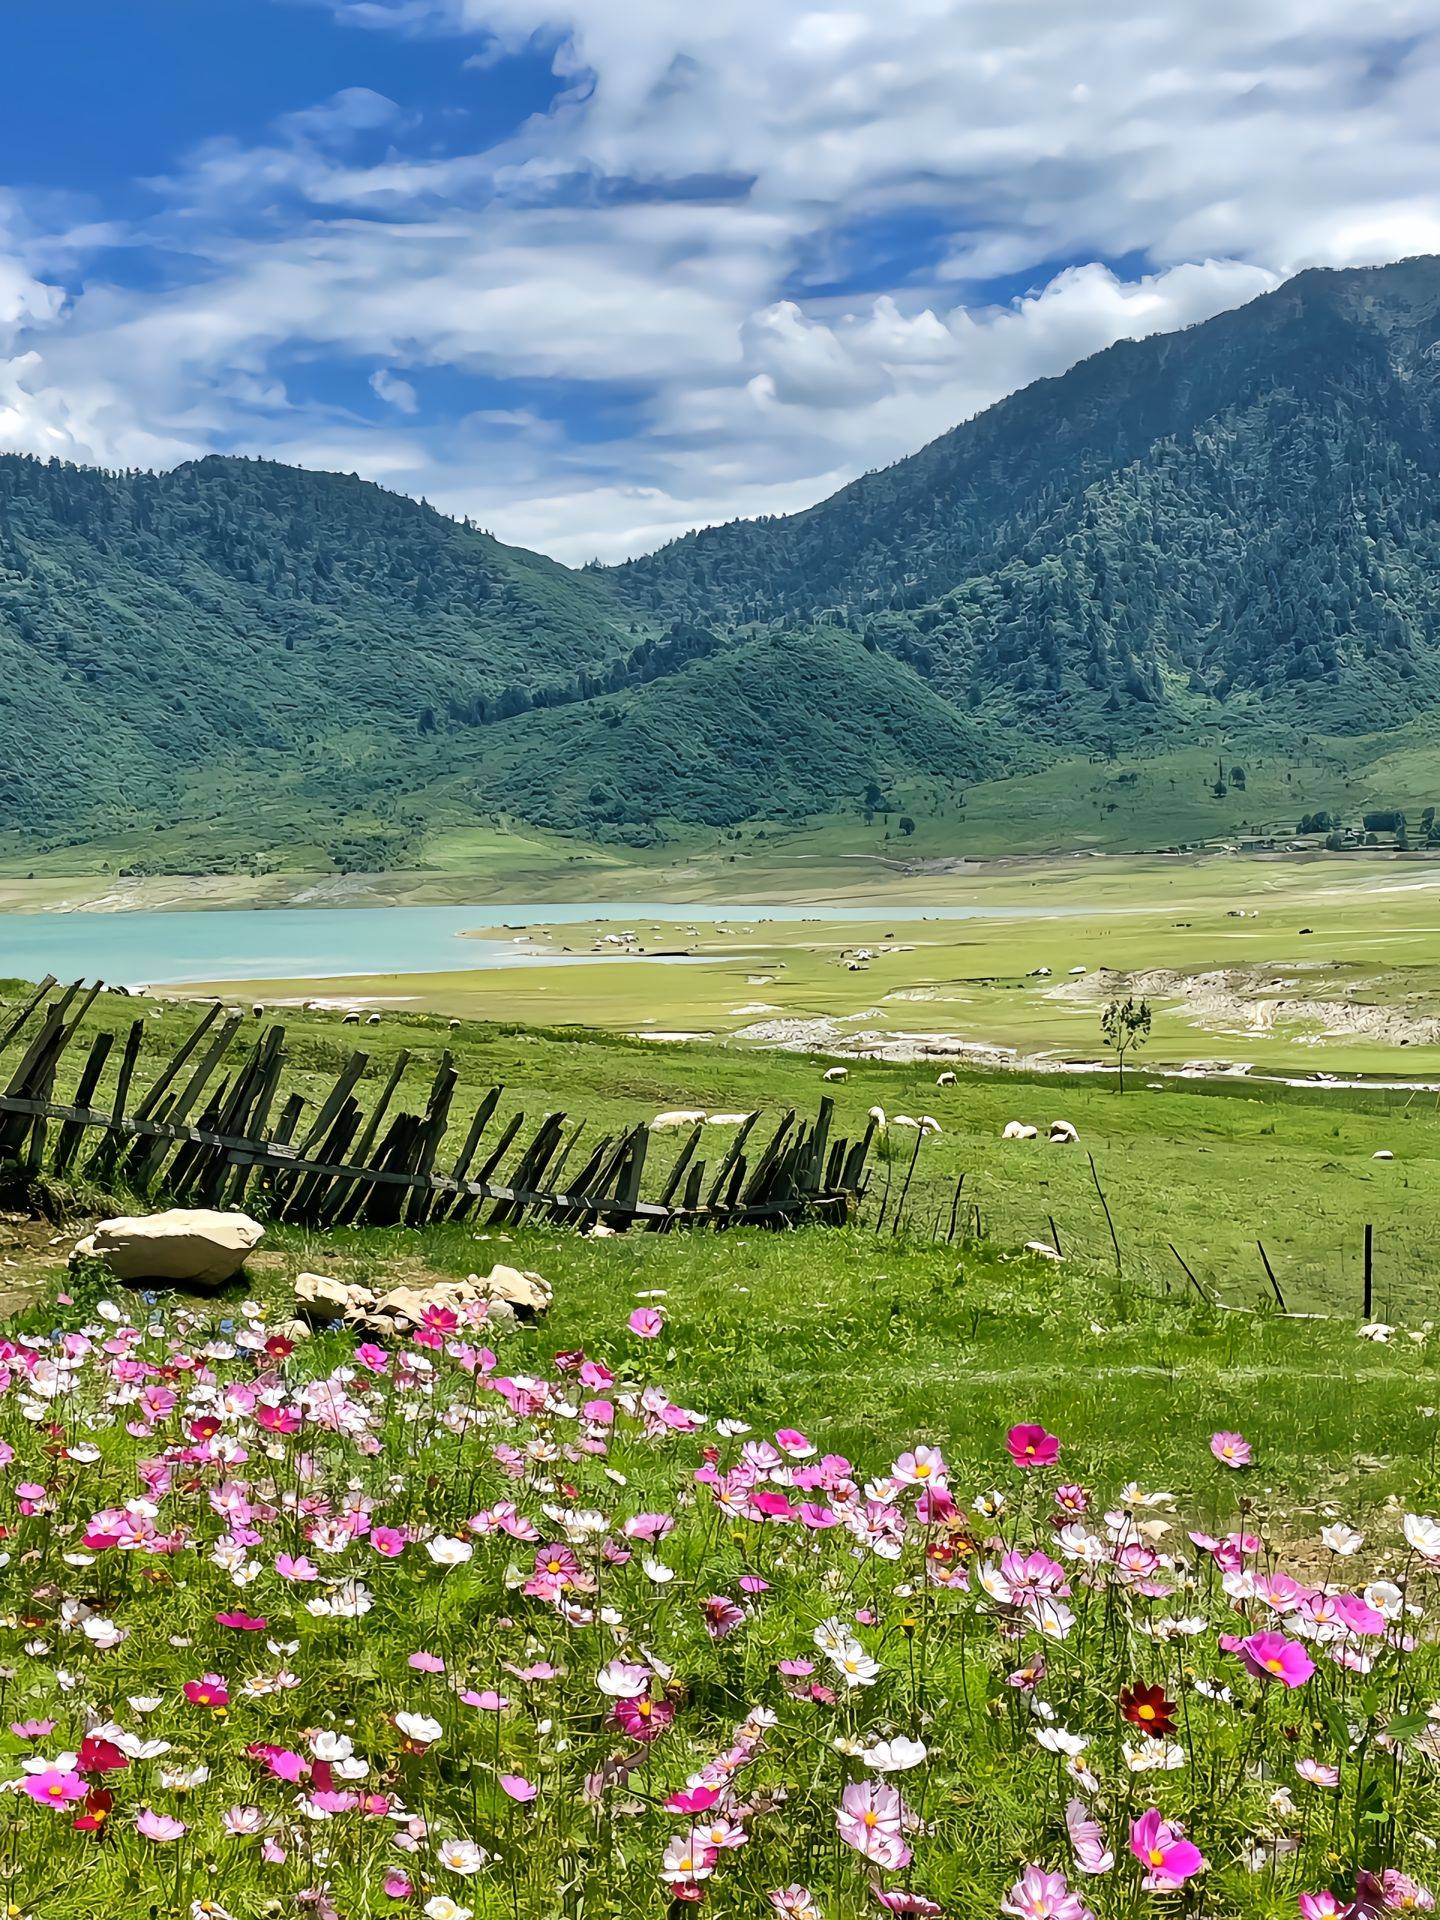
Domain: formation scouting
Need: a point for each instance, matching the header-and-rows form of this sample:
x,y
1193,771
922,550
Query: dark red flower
x,y
99,1756
1147,1708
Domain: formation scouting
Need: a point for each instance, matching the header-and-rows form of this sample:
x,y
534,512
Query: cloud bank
x,y
748,251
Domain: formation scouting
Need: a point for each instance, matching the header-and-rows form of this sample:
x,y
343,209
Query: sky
x,y
594,272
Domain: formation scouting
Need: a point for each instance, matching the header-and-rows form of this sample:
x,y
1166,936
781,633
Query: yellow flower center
x,y
1157,1858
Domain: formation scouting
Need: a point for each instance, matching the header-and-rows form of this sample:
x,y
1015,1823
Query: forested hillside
x,y
1236,527
153,625
1252,505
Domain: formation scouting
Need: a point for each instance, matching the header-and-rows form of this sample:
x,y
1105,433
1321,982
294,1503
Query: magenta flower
x,y
1032,1446
242,1622
54,1788
1160,1847
1230,1449
646,1323
1270,1656
518,1787
644,1718
897,1900
1324,1906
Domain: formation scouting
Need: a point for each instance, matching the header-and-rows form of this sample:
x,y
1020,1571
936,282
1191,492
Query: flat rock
x,y
184,1246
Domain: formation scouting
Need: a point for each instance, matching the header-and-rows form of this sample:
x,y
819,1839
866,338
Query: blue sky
x,y
596,271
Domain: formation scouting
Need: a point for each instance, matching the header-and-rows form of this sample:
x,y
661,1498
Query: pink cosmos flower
x,y
646,1323
1038,1895
869,1819
54,1788
487,1701
518,1787
1230,1449
721,1615
159,1827
643,1719
299,1568
242,1622
693,1800
1324,1906
1087,1839
897,1900
1270,1656
211,1691
1162,1849
426,1663
1031,1446
398,1886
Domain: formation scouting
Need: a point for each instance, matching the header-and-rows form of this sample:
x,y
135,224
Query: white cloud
x,y
675,226
394,391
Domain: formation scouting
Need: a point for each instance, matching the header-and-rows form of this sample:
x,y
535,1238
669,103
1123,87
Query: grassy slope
x,y
1209,1170
955,1341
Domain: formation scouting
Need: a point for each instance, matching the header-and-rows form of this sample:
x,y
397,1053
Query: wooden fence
x,y
210,1141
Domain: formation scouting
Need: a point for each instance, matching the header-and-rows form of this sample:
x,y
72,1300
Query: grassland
x,y
1207,1169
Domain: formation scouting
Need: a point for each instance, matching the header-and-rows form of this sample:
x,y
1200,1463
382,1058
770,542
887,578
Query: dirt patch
x,y
1245,1001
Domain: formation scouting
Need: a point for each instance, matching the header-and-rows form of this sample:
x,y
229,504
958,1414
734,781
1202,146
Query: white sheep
x,y
727,1119
946,1080
677,1117
877,1114
258,1011
351,1020
1017,1130
929,1124
836,1073
1062,1134
372,1019
903,1120
1383,1154
1042,1250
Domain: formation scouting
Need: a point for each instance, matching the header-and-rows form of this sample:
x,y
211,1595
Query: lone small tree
x,y
1126,1026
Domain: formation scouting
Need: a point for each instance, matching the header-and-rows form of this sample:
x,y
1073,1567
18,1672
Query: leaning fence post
x,y
1108,1221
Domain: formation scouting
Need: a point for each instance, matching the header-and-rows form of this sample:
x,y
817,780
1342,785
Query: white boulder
x,y
181,1247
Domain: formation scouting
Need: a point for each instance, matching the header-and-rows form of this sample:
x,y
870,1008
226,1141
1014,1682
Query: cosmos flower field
x,y
345,1628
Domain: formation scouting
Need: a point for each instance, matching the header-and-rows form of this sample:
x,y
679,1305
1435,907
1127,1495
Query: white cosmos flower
x,y
1342,1539
332,1746
1423,1534
895,1756
441,1907
1156,1756
446,1552
1059,1740
855,1666
623,1679
461,1856
657,1570
419,1727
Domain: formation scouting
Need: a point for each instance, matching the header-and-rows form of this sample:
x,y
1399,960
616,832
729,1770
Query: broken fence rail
x,y
348,1167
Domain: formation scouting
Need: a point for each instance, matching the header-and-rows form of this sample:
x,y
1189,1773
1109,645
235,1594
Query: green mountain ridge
x,y
1230,532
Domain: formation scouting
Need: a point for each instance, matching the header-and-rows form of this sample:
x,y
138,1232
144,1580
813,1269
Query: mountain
x,y
1230,534
781,724
1247,508
158,630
